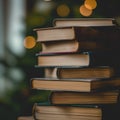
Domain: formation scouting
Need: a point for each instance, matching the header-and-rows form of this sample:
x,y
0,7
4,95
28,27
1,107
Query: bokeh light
x,y
90,4
85,11
63,10
29,42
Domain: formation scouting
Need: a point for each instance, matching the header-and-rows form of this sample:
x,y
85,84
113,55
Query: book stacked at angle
x,y
80,58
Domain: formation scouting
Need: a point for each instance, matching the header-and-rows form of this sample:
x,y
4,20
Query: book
x,y
105,35
72,46
79,112
25,118
43,112
102,97
80,85
78,59
80,72
63,59
84,22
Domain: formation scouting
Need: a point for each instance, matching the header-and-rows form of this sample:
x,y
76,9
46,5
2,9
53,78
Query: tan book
x,y
78,59
80,72
84,22
43,112
78,112
60,59
80,85
103,97
71,46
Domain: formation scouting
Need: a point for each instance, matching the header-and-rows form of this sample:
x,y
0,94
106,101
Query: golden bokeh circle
x,y
90,4
84,11
29,42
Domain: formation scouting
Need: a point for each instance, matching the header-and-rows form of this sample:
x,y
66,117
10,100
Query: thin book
x,y
84,22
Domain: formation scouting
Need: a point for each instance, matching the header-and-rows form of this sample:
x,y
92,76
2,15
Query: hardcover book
x,y
80,85
79,112
102,97
66,112
102,34
106,36
72,46
78,59
84,22
80,72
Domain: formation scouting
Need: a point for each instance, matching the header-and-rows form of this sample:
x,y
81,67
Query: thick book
x,y
72,46
78,59
84,22
80,72
80,85
104,35
79,112
43,112
102,97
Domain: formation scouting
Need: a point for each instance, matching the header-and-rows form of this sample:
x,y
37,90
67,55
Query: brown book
x,y
80,72
78,112
80,85
71,46
108,36
84,22
25,118
103,97
45,112
78,59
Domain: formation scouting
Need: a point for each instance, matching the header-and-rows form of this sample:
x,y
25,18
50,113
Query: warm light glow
x,y
90,4
29,42
84,11
63,10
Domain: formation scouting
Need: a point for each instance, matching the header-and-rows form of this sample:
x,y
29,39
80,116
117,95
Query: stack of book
x,y
80,58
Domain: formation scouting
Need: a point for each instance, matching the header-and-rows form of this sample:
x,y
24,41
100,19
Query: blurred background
x,y
18,45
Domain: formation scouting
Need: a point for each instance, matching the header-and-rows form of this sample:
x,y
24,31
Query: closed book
x,y
84,22
43,112
72,46
101,97
107,36
78,59
80,85
78,112
80,72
